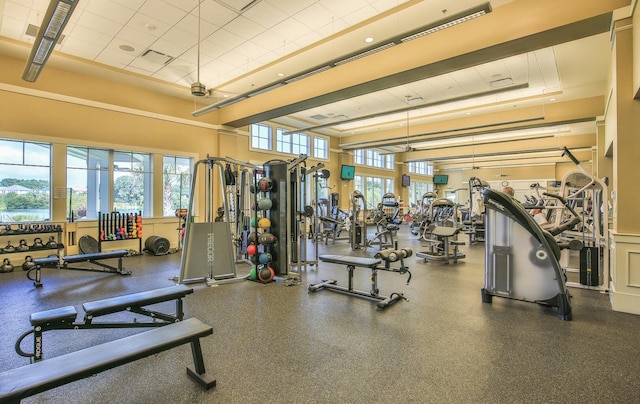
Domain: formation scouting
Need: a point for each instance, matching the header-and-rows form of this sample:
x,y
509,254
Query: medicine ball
x,y
253,274
265,204
266,274
265,184
252,249
264,223
264,258
252,237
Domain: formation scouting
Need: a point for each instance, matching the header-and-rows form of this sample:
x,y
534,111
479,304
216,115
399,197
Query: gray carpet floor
x,y
281,344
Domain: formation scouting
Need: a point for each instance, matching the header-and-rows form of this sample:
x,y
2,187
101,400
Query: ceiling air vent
x,y
507,81
156,57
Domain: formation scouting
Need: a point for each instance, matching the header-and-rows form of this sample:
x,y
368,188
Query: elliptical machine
x,y
522,260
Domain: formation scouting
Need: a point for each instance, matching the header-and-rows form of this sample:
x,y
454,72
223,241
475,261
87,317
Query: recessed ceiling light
x,y
126,48
369,39
225,96
280,74
150,27
552,99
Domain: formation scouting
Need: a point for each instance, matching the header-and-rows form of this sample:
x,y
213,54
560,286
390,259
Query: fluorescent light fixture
x,y
55,19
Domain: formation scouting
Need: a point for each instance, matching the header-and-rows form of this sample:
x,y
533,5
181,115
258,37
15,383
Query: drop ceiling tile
x,y
110,10
168,47
184,38
265,14
215,13
225,38
315,16
148,25
91,36
291,28
141,39
162,11
190,24
98,23
212,50
81,48
245,28
115,57
342,7
132,4
291,7
15,10
270,40
12,28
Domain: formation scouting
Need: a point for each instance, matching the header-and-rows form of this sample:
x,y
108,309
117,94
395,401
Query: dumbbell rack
x,y
14,232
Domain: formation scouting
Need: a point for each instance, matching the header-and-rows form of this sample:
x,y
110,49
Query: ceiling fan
x,y
198,89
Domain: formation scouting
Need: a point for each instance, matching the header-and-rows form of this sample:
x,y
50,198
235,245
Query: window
x,y
92,181
260,136
292,143
283,141
176,184
25,181
421,167
358,156
417,189
300,143
320,148
374,159
389,161
132,182
88,178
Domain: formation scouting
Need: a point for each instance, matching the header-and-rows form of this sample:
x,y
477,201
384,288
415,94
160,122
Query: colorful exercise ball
x,y
252,249
252,237
265,184
254,222
264,223
265,204
266,274
264,258
253,274
267,238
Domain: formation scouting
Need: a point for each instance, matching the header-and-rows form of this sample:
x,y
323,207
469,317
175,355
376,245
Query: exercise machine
x,y
441,234
586,194
208,253
374,264
358,223
474,221
387,222
521,258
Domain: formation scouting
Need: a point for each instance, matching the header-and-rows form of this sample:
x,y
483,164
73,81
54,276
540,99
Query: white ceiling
x,y
245,44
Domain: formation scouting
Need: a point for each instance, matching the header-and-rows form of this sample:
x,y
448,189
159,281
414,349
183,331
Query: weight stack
x,y
589,266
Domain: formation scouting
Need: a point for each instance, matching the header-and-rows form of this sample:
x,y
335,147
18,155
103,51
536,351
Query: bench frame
x,y
38,377
63,318
63,263
382,302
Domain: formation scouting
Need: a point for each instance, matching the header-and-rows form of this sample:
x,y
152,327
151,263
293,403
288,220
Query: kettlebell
x,y
28,263
52,242
6,266
23,245
9,247
37,243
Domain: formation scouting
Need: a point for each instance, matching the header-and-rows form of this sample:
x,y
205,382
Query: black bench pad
x,y
55,261
120,303
41,376
347,260
59,315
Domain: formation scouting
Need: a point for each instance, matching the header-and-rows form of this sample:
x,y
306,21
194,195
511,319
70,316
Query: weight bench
x,y
17,384
374,265
63,263
64,318
444,240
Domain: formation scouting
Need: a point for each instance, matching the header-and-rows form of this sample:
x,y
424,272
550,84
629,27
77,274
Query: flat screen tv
x,y
406,180
347,172
440,179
